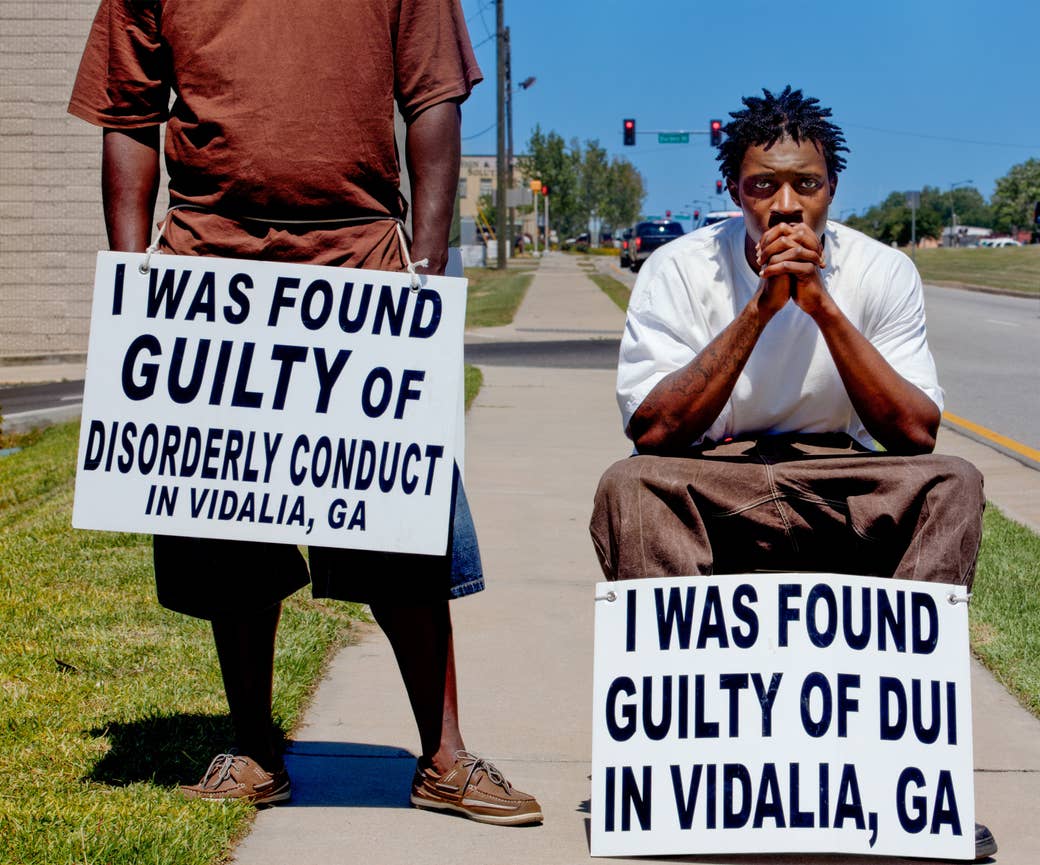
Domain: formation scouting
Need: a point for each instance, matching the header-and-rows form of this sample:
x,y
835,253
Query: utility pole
x,y
500,216
509,127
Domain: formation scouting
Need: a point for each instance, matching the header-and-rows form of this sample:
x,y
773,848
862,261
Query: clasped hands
x,y
790,258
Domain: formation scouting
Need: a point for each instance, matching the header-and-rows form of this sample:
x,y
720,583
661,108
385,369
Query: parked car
x,y
626,242
993,242
648,236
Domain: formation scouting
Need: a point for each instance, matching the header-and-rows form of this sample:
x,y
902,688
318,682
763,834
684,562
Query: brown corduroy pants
x,y
790,503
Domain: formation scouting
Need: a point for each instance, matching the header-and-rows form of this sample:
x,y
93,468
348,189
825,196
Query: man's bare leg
x,y
245,647
421,637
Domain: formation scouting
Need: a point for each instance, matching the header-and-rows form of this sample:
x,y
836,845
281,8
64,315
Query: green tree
x,y
625,194
1015,197
595,176
548,160
969,205
582,182
891,220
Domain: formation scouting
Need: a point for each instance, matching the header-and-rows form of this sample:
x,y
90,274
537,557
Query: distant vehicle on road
x,y
714,216
993,242
648,236
626,242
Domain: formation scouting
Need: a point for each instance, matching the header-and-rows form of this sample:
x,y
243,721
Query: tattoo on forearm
x,y
716,366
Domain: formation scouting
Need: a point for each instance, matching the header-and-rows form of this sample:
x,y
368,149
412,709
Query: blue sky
x,y
954,85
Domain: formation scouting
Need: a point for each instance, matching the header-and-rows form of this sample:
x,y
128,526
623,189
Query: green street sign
x,y
673,137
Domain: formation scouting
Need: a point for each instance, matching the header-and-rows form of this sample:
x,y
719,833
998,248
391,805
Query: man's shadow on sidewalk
x,y
168,750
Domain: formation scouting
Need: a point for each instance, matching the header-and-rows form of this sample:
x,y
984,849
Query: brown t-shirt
x,y
281,112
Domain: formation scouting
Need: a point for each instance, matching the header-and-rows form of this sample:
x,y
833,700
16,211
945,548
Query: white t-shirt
x,y
690,290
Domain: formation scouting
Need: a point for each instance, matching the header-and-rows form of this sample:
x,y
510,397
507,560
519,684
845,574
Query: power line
x,y
480,11
942,137
482,132
483,20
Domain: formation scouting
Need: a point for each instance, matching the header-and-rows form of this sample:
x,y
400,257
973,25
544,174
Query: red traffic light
x,y
628,128
696,214
545,189
718,187
715,128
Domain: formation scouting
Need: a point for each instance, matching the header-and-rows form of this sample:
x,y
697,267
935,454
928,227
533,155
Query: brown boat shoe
x,y
476,789
234,777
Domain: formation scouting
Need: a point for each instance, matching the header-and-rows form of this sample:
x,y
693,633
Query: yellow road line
x,y
994,437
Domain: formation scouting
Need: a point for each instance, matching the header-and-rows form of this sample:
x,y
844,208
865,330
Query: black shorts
x,y
204,577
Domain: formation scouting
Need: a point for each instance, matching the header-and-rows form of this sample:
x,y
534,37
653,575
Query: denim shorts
x,y
205,577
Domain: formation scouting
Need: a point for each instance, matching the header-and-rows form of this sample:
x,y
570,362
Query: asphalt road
x,y
987,348
560,354
26,406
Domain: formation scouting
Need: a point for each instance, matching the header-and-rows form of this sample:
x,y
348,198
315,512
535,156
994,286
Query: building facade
x,y
478,177
50,182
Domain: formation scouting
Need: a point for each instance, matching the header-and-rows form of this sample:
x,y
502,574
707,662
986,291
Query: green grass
x,y
616,290
1005,607
108,701
474,379
495,295
1013,267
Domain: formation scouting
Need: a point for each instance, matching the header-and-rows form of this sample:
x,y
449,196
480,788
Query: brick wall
x,y
51,223
50,198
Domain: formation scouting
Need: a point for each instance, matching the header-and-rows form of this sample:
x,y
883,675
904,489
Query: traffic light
x,y
628,126
545,189
718,187
696,214
716,132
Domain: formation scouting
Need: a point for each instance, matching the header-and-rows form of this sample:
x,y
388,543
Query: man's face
x,y
786,183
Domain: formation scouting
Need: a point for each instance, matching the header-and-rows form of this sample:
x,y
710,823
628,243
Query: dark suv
x,y
648,236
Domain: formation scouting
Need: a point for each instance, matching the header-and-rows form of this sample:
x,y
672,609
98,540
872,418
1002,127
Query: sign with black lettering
x,y
258,400
782,713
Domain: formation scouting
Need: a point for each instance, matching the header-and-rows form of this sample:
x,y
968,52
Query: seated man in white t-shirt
x,y
776,380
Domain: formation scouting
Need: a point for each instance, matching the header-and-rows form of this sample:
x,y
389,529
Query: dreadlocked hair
x,y
766,120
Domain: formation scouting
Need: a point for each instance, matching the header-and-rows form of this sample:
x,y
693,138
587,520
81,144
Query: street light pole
x,y
500,214
509,126
523,85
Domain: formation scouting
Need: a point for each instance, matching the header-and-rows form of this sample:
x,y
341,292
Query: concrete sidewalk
x,y
538,440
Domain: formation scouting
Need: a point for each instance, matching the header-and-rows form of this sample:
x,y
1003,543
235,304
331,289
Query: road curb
x,y
983,289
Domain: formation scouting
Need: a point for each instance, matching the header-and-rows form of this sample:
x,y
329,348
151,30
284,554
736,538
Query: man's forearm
x,y
898,414
685,403
129,186
433,149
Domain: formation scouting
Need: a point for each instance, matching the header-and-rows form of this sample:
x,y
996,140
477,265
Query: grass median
x,y
495,295
1016,268
615,289
1005,607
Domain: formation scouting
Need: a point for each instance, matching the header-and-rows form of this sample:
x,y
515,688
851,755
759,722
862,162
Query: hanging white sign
x,y
259,400
806,713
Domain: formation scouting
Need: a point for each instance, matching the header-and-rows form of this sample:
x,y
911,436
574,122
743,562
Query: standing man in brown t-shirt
x,y
280,145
